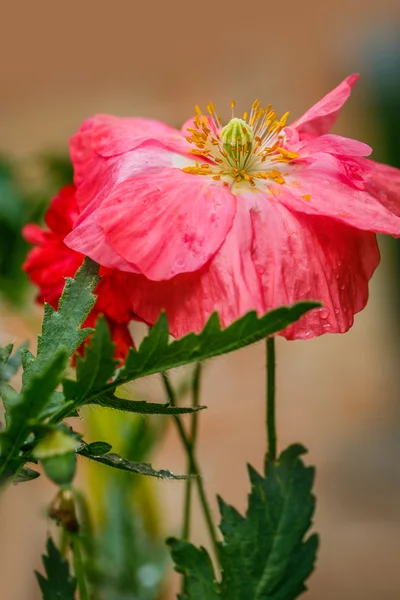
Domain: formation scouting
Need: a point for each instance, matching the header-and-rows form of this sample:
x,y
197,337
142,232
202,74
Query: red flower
x,y
50,261
253,215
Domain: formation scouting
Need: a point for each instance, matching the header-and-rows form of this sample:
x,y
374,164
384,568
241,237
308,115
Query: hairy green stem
x,y
195,470
270,416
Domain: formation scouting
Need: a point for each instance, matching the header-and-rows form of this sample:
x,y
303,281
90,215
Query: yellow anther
x,y
286,153
244,149
284,119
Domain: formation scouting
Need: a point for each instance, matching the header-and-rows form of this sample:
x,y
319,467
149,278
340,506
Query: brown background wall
x,y
61,62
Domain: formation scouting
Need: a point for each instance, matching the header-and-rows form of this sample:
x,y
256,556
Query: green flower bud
x,y
61,468
55,443
56,451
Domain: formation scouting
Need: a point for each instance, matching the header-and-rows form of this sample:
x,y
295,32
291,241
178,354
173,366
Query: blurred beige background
x,y
61,62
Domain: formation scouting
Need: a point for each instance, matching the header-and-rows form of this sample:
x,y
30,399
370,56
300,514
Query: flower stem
x,y
193,438
79,568
270,417
194,467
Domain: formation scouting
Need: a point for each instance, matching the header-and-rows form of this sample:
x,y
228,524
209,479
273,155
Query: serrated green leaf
x,y
23,413
155,354
265,555
62,328
60,584
9,363
96,368
196,567
93,374
61,336
112,459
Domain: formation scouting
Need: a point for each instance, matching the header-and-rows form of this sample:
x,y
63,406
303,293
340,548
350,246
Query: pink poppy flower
x,y
253,215
50,261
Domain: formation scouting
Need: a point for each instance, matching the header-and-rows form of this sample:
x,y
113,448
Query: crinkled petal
x,y
300,257
107,136
157,224
62,212
271,257
321,117
101,175
228,284
334,144
330,187
383,182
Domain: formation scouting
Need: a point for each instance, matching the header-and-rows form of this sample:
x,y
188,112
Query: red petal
x,y
158,224
335,188
270,258
321,117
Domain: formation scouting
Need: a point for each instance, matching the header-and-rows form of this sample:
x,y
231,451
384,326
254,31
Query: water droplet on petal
x,y
324,313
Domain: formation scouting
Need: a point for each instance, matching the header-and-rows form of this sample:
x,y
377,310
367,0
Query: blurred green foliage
x,y
128,556
26,189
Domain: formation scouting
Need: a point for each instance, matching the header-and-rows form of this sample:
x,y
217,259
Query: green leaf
x,y
265,555
96,368
142,407
26,474
10,398
22,414
155,354
62,328
57,405
93,373
61,336
98,448
196,566
9,364
59,585
112,459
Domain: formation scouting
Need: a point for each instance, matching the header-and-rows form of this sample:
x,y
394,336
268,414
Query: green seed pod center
x,y
237,140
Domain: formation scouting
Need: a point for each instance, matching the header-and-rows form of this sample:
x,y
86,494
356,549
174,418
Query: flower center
x,y
245,151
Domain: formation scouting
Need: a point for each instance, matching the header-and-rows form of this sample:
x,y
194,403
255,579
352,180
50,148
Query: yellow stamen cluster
x,y
244,150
